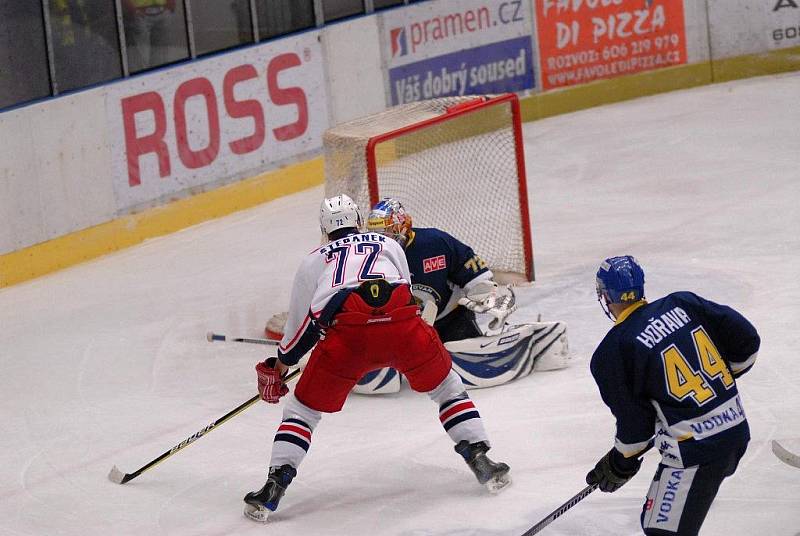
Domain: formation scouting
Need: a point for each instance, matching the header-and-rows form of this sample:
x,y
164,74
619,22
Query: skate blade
x,y
256,513
498,483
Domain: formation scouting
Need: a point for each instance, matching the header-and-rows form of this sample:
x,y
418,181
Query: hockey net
x,y
456,163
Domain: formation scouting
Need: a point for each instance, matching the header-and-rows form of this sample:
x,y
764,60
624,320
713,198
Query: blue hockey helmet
x,y
620,280
388,217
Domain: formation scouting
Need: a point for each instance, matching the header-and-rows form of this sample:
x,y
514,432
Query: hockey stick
x,y
222,338
784,455
560,510
118,477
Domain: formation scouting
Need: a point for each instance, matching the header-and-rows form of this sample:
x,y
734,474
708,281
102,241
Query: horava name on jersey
x,y
352,239
665,325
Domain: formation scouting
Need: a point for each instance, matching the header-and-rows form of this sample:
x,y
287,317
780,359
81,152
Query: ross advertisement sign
x,y
458,47
740,27
225,117
585,40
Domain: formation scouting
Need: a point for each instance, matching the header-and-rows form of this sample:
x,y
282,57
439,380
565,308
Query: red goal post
x,y
456,163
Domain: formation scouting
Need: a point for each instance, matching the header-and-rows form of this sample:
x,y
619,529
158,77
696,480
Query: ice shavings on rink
x,y
107,363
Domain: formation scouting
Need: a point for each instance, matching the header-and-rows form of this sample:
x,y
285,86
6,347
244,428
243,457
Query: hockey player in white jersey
x,y
352,299
453,283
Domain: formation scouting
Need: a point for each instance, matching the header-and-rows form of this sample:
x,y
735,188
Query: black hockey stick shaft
x,y
119,477
212,337
560,510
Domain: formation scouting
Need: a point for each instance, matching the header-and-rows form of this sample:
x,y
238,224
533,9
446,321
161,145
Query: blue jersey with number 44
x,y
668,369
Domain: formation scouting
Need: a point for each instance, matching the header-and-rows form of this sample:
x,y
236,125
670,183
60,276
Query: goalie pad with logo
x,y
492,360
514,353
378,382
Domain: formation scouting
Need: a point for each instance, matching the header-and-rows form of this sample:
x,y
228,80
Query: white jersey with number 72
x,y
338,265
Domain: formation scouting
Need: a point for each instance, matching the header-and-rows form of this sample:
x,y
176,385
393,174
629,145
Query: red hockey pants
x,y
363,339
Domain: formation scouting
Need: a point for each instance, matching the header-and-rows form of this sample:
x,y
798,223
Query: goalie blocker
x,y
481,361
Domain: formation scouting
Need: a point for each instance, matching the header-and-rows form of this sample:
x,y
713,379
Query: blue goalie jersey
x,y
667,370
436,259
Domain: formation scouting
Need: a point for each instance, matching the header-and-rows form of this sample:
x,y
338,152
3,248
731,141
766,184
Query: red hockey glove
x,y
270,386
608,473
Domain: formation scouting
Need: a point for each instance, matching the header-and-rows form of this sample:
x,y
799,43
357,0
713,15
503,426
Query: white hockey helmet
x,y
338,212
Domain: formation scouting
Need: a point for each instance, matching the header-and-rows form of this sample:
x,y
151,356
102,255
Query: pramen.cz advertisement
x,y
458,47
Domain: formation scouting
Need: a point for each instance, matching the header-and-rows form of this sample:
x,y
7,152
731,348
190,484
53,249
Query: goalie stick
x,y
212,337
118,477
784,455
560,510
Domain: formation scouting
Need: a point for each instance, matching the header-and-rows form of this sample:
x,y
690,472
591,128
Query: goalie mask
x,y
389,218
619,280
338,212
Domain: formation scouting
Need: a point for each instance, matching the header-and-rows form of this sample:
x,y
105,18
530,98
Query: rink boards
x,y
96,171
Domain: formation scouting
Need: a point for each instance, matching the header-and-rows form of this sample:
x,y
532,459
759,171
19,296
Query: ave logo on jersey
x,y
433,264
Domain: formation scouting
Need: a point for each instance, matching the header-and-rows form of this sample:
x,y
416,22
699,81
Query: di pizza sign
x,y
585,40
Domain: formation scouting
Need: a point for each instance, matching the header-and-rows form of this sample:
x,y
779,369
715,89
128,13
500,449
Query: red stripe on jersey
x,y
296,429
461,406
296,336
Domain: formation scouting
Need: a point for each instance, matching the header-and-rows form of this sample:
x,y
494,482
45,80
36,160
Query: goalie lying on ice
x,y
452,283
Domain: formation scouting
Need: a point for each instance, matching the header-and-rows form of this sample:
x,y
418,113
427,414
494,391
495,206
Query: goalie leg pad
x,y
497,359
379,382
551,351
275,326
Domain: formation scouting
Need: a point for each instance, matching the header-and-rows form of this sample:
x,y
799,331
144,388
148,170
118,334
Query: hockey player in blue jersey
x,y
667,370
455,283
439,265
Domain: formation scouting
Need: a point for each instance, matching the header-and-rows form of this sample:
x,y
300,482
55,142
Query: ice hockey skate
x,y
491,474
259,504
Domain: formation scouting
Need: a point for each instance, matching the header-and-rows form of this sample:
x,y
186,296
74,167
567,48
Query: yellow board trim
x,y
773,62
561,101
86,244
602,92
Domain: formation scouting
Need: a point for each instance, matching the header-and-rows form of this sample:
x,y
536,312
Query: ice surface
x,y
107,363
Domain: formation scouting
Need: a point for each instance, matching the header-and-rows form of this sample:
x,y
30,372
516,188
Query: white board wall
x,y
65,165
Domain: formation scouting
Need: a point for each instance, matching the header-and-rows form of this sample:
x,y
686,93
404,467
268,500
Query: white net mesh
x,y
458,174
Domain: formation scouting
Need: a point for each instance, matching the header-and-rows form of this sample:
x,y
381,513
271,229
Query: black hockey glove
x,y
613,471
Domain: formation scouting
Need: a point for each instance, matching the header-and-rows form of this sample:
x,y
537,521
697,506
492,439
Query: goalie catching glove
x,y
270,384
490,298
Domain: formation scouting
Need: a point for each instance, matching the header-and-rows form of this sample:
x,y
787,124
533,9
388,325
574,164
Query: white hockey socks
x,y
457,413
293,437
